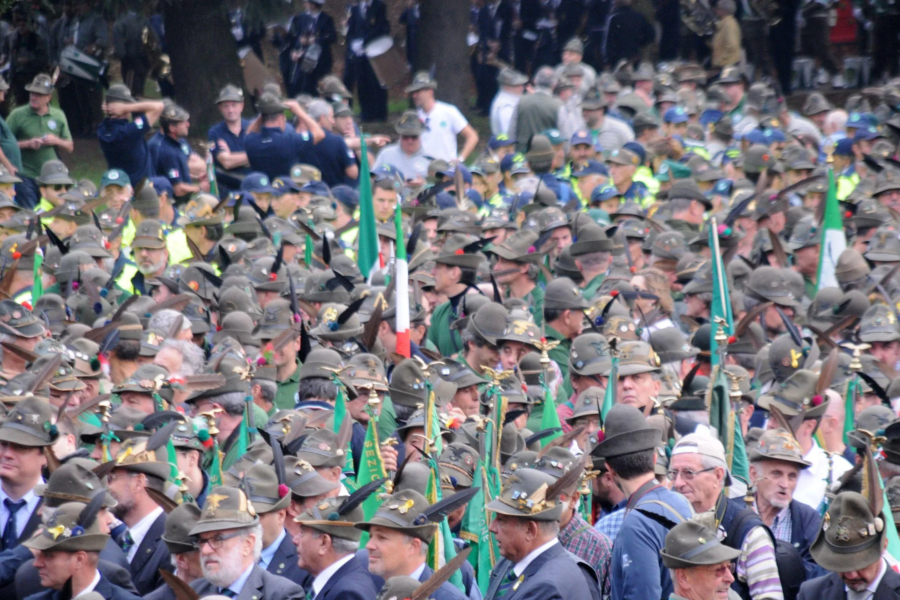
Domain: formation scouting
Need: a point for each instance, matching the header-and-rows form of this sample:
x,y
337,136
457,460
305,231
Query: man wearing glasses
x,y
701,567
698,472
53,182
230,543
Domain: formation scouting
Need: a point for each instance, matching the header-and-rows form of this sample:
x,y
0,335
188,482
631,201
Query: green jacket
x,y
560,355
590,290
447,340
387,420
286,396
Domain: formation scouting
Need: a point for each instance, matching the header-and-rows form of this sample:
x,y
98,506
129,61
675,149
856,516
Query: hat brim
x,y
500,507
92,542
627,442
22,438
636,369
714,556
262,507
844,562
221,525
422,532
755,455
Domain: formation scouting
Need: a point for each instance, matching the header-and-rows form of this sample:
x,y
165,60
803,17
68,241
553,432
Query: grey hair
x,y
163,320
545,77
232,402
709,462
549,528
192,358
257,532
318,109
267,389
338,545
594,259
316,387
680,204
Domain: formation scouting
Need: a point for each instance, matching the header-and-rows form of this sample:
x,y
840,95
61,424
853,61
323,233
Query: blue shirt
x,y
333,157
273,151
172,159
235,143
636,569
124,144
267,554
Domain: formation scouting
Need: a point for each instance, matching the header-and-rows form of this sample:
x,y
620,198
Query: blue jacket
x,y
805,523
552,575
284,563
636,569
447,591
350,582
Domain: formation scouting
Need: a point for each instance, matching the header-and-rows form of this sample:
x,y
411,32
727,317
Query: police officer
x,y
170,151
277,146
226,139
123,140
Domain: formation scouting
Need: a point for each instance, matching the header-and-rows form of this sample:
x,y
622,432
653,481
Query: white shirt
x,y
323,577
523,564
417,574
411,165
503,108
139,531
814,479
91,587
614,134
31,502
442,125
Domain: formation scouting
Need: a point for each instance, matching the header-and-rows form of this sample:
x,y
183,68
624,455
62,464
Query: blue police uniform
x,y
235,143
333,157
562,189
124,145
273,151
171,158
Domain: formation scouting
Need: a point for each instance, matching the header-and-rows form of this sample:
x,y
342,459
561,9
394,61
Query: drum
x,y
387,61
77,64
311,58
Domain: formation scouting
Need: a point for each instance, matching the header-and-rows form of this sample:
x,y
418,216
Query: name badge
x,y
51,124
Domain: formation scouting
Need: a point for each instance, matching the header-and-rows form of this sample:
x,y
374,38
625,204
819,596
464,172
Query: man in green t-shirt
x,y
10,154
40,129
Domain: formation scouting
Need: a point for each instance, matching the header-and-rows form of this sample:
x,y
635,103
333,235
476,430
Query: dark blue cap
x,y
506,163
710,116
590,167
582,136
867,133
346,195
163,185
637,149
500,141
676,114
765,136
844,147
467,176
257,182
722,188
445,200
475,197
602,193
316,188
386,172
285,185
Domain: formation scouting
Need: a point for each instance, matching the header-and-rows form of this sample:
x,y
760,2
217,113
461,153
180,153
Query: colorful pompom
x,y
203,435
98,308
459,251
732,339
104,292
334,326
531,249
77,530
614,293
119,220
817,400
261,361
283,490
600,436
17,255
75,285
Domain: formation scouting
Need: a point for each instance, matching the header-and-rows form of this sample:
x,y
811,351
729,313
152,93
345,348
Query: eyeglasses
x,y
686,474
114,476
720,570
218,541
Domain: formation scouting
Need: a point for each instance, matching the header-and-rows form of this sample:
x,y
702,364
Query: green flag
x,y
550,418
214,468
727,425
612,383
720,307
367,254
37,288
849,397
239,447
474,530
834,241
371,468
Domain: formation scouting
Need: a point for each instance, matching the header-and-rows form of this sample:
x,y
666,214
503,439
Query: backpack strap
x,y
678,516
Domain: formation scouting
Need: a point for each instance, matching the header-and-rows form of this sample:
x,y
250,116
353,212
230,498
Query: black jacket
x,y
831,587
151,556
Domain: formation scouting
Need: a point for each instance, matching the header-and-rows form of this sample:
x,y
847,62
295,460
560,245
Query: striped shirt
x,y
757,568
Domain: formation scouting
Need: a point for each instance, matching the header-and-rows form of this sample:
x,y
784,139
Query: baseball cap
x,y
582,136
500,141
676,115
162,185
590,167
115,177
257,182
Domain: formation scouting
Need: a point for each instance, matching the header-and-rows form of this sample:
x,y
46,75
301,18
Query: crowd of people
x,y
641,342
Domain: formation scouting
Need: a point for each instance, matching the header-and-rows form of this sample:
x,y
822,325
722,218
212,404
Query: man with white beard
x,y
775,465
230,542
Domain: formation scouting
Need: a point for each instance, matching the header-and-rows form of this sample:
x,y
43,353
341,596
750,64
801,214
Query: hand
x,y
34,143
204,184
378,140
389,457
455,413
51,140
295,55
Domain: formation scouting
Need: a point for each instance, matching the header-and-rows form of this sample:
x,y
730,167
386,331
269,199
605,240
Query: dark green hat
x,y
524,496
134,456
796,396
89,239
277,317
73,481
179,523
687,189
319,363
458,462
335,516
263,489
453,252
637,357
459,374
422,81
489,323
563,294
147,379
519,247
71,528
119,92
226,508
54,172
586,403
321,449
778,444
399,588
304,480
851,536
400,512
879,324
805,234
786,357
173,112
626,432
230,93
689,544
328,328
590,355
407,385
30,423
884,246
702,282
591,239
19,320
149,234
409,124
671,345
771,284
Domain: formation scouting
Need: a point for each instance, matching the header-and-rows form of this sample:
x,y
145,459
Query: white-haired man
x,y
230,541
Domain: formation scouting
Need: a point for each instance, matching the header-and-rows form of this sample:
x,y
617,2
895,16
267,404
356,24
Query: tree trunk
x,y
442,46
204,58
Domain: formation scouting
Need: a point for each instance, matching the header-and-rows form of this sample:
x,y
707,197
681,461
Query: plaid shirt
x,y
610,524
782,527
591,546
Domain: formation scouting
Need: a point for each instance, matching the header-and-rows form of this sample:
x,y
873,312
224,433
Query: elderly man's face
x,y
512,536
139,401
225,554
860,580
638,390
55,568
700,486
775,481
710,582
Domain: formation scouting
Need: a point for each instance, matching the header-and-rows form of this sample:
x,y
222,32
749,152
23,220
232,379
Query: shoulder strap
x,y
737,525
667,507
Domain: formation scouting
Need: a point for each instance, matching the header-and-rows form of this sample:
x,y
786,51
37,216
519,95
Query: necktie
x,y
507,584
127,542
10,532
228,593
310,594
